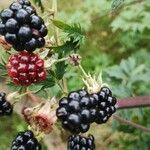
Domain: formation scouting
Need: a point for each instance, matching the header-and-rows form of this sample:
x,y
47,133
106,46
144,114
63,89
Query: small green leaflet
x,y
74,30
39,90
34,88
129,72
42,93
60,70
49,82
14,87
68,46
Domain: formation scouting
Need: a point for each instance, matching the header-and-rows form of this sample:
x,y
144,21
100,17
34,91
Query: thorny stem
x,y
52,62
133,102
64,82
33,98
61,60
127,122
23,94
59,84
18,98
37,107
91,82
54,8
83,71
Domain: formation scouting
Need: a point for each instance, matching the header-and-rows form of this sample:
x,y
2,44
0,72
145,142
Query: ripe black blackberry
x,y
80,109
74,112
25,141
22,27
77,142
5,107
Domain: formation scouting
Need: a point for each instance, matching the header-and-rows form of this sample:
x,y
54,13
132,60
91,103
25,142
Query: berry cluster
x,y
77,142
22,27
80,109
25,141
5,107
26,68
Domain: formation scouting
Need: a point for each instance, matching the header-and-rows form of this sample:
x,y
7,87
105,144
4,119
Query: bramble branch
x,y
127,122
133,102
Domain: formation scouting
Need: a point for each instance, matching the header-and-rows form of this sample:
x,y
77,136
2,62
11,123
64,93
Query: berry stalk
x,y
127,122
133,102
92,83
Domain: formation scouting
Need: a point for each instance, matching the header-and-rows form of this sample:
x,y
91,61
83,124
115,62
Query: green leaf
x,y
35,88
42,93
116,72
127,75
14,87
60,70
49,82
68,46
74,30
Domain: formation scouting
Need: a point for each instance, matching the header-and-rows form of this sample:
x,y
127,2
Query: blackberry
x,y
28,29
25,141
77,142
80,109
5,107
26,68
72,114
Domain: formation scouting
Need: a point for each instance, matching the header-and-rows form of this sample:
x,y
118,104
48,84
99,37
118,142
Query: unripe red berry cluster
x,y
26,68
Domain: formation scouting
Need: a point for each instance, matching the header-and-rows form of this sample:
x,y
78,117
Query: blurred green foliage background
x,y
118,44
